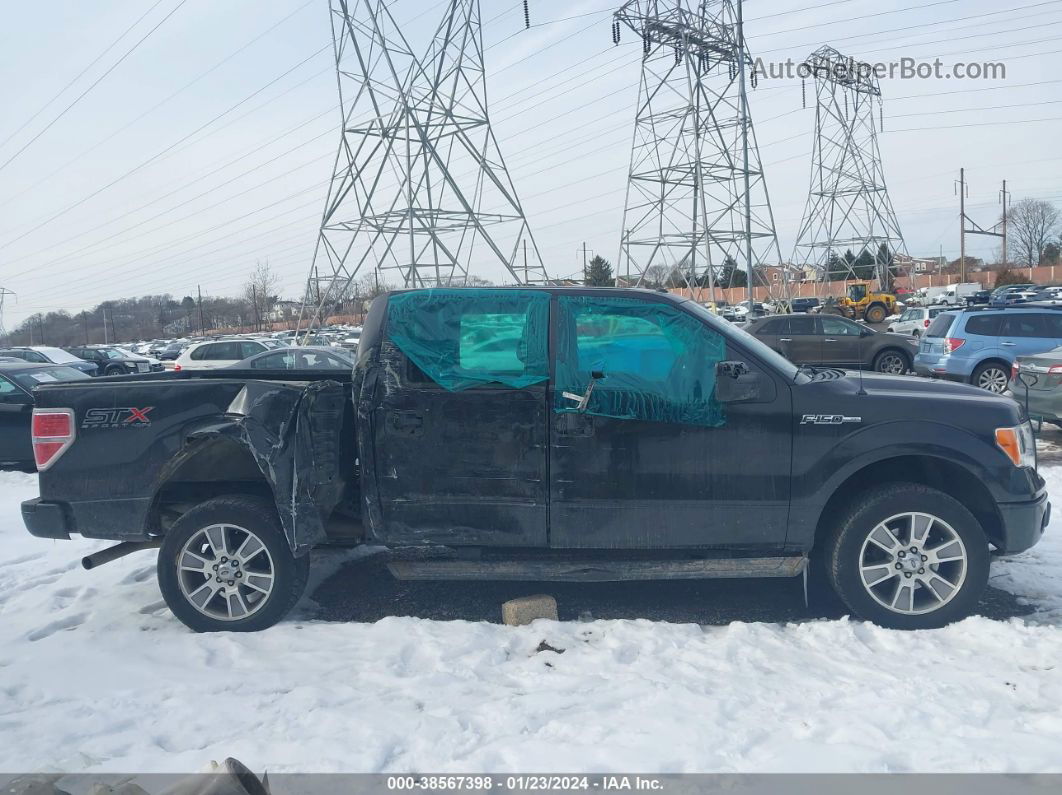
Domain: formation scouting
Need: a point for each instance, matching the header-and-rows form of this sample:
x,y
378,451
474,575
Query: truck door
x,y
654,461
459,418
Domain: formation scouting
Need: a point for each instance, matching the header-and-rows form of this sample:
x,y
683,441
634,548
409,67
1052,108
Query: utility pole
x,y
1003,197
106,339
963,192
254,298
996,230
525,260
3,293
584,260
199,292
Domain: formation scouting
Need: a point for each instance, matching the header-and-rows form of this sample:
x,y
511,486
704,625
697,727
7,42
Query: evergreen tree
x,y
598,273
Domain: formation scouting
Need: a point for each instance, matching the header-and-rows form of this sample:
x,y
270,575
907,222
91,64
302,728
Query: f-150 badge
x,y
827,419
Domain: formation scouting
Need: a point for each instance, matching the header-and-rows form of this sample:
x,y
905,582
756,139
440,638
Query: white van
x,y
956,294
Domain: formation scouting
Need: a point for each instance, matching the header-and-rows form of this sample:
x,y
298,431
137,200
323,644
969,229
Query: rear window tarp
x,y
463,338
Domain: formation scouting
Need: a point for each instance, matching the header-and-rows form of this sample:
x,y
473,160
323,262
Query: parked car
x,y
1036,383
298,358
17,380
834,342
804,304
915,321
115,361
979,298
623,434
979,345
172,351
1004,295
213,354
43,354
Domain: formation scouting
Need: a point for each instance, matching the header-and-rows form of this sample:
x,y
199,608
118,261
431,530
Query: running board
x,y
597,570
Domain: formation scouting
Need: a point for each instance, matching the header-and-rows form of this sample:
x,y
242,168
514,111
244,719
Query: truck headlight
x,y
1018,444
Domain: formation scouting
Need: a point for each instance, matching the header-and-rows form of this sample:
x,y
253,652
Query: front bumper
x,y
1023,523
46,519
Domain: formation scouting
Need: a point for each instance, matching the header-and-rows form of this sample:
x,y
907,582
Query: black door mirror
x,y
734,383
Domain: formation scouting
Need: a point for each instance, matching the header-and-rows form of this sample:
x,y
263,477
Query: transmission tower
x,y
848,206
4,292
697,199
419,189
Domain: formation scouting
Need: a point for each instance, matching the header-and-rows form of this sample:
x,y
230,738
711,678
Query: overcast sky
x,y
175,171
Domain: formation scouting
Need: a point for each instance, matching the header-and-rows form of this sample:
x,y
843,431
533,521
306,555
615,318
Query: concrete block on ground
x,y
525,609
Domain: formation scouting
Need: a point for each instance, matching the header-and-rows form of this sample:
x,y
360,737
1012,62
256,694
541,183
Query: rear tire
x,y
906,556
992,377
892,361
226,566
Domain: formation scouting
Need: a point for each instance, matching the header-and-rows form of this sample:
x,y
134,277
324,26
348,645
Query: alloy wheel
x,y
225,572
994,379
913,563
892,363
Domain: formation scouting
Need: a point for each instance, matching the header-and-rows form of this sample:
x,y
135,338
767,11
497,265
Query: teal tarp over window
x,y
658,362
466,338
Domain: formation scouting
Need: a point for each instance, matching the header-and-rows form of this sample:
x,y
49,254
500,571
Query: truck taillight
x,y
176,368
52,432
952,344
1014,371
926,322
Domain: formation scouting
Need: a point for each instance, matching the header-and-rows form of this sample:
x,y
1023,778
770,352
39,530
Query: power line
x,y
92,85
79,75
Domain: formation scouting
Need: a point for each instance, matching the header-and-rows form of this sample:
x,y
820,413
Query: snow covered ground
x,y
97,676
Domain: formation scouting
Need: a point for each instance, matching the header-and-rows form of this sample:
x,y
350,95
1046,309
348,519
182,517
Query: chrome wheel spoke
x,y
250,547
920,527
903,600
878,573
945,553
215,536
203,594
262,583
190,561
884,538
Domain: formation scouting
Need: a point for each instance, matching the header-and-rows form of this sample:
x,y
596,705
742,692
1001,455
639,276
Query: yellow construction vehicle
x,y
862,303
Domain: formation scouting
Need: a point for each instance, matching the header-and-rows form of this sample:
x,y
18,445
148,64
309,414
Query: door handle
x,y
406,422
785,339
828,339
1008,344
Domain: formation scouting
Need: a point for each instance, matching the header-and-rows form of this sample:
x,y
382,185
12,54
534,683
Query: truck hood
x,y
903,396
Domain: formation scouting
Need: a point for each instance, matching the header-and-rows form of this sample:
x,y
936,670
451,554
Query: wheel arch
x,y
946,476
206,467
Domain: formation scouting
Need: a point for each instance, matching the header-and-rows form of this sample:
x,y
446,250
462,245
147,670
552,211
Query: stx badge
x,y
116,418
827,419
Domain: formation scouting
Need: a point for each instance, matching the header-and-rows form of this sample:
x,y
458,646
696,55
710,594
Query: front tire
x,y
226,566
875,314
906,556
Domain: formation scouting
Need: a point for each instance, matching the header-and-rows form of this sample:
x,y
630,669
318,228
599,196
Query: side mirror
x,y
583,400
735,383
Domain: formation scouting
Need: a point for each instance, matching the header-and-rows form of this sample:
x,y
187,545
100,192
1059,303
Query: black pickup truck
x,y
544,434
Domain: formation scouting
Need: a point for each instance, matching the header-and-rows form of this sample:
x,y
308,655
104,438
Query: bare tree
x,y
1031,223
260,292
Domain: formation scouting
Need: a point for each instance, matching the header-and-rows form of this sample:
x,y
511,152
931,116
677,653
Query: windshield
x,y
27,379
746,340
58,355
856,292
113,353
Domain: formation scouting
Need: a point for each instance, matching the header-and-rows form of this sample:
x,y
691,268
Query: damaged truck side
x,y
544,434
